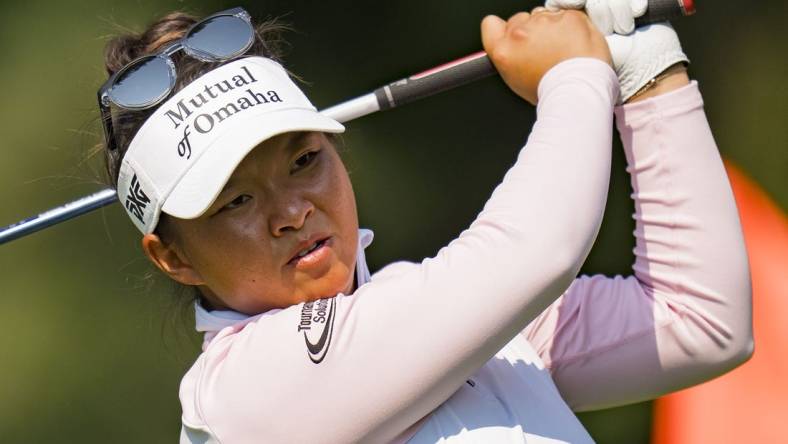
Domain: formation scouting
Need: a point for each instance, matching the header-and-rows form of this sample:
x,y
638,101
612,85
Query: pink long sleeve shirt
x,y
495,339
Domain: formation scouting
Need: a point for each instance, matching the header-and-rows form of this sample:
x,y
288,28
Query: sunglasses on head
x,y
148,80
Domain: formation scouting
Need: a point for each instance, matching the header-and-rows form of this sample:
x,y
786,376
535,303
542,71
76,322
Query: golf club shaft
x,y
470,69
436,80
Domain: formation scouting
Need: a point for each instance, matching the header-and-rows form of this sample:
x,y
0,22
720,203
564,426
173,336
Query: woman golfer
x,y
232,177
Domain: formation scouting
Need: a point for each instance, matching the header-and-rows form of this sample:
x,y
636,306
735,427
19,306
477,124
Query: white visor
x,y
184,153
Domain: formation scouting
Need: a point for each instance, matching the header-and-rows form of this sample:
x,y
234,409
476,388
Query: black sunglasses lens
x,y
142,84
221,37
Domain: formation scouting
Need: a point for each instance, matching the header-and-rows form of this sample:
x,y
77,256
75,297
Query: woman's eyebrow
x,y
301,138
297,140
227,187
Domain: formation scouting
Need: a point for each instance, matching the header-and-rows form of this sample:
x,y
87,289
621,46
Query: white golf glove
x,y
609,16
641,56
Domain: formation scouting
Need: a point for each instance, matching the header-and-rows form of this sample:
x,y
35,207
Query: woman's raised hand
x,y
526,46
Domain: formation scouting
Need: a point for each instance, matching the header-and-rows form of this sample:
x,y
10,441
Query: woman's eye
x,y
237,202
305,159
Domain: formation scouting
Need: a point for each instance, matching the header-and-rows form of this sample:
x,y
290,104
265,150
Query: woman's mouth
x,y
311,254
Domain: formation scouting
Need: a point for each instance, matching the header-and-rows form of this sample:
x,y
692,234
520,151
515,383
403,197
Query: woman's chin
x,y
339,278
334,283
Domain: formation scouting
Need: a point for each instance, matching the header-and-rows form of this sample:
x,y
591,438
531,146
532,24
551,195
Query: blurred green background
x,y
91,354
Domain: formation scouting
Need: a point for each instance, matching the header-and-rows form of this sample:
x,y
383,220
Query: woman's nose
x,y
289,213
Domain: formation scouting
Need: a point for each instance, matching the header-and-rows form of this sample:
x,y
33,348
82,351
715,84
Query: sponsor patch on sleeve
x,y
317,324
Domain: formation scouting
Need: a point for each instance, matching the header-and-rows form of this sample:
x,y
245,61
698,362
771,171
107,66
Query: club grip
x,y
441,78
664,10
478,66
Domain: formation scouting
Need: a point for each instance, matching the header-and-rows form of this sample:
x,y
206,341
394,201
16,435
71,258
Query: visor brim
x,y
200,186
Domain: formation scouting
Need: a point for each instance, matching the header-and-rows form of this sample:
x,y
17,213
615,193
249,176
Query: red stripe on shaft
x,y
448,65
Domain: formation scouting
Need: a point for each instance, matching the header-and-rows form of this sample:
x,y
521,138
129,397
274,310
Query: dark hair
x,y
123,49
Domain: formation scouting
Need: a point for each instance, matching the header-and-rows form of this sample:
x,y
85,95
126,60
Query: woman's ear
x,y
170,260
